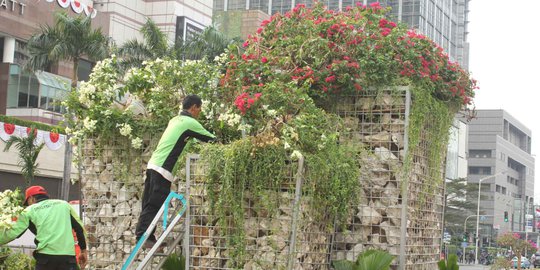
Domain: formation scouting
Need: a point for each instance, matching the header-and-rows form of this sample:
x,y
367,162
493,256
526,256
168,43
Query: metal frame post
x,y
404,187
296,210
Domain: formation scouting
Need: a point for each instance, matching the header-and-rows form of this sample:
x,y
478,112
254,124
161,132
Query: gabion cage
x,y
390,193
112,183
282,238
399,210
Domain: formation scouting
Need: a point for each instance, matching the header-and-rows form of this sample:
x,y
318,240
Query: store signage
x,y
13,6
77,7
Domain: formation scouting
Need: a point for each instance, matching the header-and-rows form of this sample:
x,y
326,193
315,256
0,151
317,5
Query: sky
x,y
504,57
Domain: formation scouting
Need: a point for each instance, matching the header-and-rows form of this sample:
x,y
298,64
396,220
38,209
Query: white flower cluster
x,y
271,113
230,118
136,143
296,155
89,124
10,207
125,129
221,59
86,93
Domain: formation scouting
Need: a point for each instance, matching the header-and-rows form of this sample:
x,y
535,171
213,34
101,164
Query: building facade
x,y
500,146
178,19
443,21
36,95
456,157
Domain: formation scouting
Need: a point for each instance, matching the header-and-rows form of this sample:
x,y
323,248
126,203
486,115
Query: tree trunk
x,y
66,179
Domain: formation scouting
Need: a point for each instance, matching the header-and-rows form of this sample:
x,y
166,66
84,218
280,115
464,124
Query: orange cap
x,y
34,190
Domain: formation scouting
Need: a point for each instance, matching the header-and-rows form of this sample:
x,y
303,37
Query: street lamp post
x,y
478,213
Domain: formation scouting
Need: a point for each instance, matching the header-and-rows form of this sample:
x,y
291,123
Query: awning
x,y
52,80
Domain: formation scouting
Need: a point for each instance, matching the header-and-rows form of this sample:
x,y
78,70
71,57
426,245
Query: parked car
x,y
525,263
536,262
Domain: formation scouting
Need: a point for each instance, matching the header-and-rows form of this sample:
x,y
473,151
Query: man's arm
x,y
197,131
17,230
76,224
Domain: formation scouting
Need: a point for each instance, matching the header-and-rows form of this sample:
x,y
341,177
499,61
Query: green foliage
x,y
207,44
154,45
26,123
28,153
367,260
4,253
149,98
344,265
430,120
174,262
451,264
19,261
502,263
374,260
210,43
457,209
516,244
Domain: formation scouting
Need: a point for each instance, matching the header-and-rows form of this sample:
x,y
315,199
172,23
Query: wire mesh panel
x,y
426,198
112,180
374,124
276,235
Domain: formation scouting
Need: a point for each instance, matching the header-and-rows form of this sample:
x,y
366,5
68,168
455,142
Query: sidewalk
x,y
473,267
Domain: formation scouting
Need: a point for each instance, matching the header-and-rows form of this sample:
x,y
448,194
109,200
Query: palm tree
x,y
69,39
154,45
209,43
28,153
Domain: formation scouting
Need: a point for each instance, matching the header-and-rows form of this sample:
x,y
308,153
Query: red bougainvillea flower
x,y
244,101
328,52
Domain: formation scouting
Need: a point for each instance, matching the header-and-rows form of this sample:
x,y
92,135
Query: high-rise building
x,y
443,21
500,147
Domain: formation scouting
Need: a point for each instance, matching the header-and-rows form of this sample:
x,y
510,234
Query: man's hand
x,y
83,258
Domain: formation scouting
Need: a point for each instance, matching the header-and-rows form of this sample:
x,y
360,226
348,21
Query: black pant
x,y
156,190
55,262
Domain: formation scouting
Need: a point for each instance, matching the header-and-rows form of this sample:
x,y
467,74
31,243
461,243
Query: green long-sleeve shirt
x,y
52,222
179,130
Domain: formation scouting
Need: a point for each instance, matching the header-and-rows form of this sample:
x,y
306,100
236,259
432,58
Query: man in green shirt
x,y
53,222
157,185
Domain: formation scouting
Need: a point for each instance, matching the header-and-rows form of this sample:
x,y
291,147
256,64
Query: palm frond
x,y
28,153
374,260
154,38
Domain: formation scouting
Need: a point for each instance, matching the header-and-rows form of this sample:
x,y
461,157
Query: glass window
x,y
237,4
44,97
1,46
218,5
33,93
13,86
24,84
480,153
480,170
84,70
